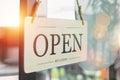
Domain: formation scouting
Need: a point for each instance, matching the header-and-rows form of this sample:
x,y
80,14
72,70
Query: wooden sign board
x,y
51,43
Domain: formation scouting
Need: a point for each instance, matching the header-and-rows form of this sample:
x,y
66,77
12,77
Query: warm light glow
x,y
9,13
115,39
100,31
119,39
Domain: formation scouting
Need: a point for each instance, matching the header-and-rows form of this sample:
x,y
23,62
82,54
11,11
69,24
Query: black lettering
x,y
53,42
34,45
78,43
66,43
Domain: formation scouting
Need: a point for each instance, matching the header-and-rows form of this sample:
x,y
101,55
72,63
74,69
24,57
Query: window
x,y
9,13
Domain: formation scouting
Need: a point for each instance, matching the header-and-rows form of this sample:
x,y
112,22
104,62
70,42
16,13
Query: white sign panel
x,y
50,43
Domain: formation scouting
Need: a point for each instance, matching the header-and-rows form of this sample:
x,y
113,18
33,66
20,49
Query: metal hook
x,y
80,12
35,8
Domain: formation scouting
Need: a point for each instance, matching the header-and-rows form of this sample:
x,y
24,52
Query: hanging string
x,y
35,9
80,12
37,3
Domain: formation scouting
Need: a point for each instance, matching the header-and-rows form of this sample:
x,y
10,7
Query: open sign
x,y
53,42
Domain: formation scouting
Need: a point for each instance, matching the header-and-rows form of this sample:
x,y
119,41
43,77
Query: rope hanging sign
x,y
51,42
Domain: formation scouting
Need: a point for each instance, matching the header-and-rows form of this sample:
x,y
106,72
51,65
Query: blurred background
x,y
9,37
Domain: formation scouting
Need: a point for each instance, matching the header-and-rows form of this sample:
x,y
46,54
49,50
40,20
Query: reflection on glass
x,y
102,17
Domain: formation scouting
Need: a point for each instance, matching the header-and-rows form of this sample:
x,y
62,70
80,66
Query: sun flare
x,y
9,13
